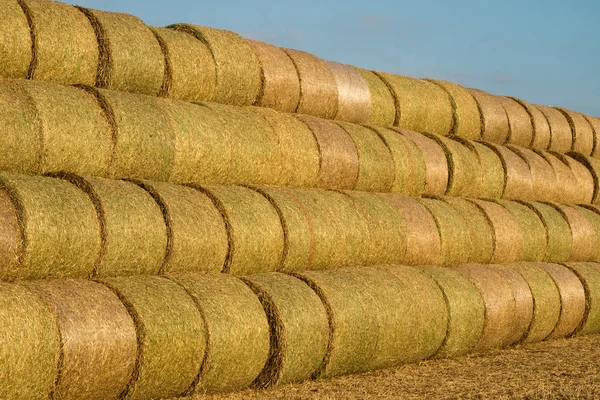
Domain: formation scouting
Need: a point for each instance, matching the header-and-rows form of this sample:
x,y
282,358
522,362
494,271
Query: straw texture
x,y
583,233
567,186
383,105
589,275
494,120
535,241
467,117
11,237
582,131
492,170
16,46
595,123
561,137
436,164
543,177
592,215
518,184
541,127
523,313
558,232
593,165
520,124
583,177
354,96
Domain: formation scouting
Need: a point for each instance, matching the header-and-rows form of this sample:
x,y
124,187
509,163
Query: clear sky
x,y
543,51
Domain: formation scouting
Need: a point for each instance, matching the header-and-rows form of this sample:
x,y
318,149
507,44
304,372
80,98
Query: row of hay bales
x,y
160,337
73,226
51,128
52,41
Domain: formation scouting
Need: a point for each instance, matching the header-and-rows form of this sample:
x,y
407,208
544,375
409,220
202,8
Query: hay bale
x,y
572,299
518,184
593,165
237,331
520,123
533,235
558,232
494,120
583,233
546,300
582,131
255,233
20,142
97,338
541,127
567,187
354,95
561,137
499,301
59,227
75,135
30,346
466,311
299,328
66,49
197,232
465,175
456,246
280,87
338,156
171,336
423,241
130,57
492,170
510,237
376,171
383,105
480,232
134,235
409,163
543,177
583,177
467,117
193,75
318,87
12,237
436,164
589,275
592,216
595,123
16,49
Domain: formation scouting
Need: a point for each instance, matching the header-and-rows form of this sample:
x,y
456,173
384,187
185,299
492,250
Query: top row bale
x,y
467,117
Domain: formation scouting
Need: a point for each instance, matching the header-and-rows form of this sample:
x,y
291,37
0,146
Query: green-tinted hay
x,y
519,122
543,177
583,233
567,186
171,336
561,137
97,338
237,331
541,127
582,131
467,117
518,184
535,242
492,170
354,95
558,232
494,120
436,164
30,345
15,47
589,275
383,105
299,328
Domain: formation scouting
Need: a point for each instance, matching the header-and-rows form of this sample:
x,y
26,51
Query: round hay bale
x,y
543,177
541,127
492,170
518,184
466,311
354,95
561,137
520,123
237,331
98,338
409,163
546,301
299,148
21,141
339,165
130,56
583,133
589,275
494,120
440,113
318,87
11,237
423,241
593,165
16,50
66,49
255,233
60,230
465,175
376,172
383,105
436,164
533,234
30,346
572,299
592,216
143,135
171,336
583,177
595,123
455,238
192,67
197,232
510,237
583,233
481,230
567,187
134,235
299,327
238,68
75,135
558,232
467,117
523,313
280,88
499,301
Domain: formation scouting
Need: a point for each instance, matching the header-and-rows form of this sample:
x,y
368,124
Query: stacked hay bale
x,y
383,103
467,117
582,132
494,119
541,128
561,137
354,96
16,48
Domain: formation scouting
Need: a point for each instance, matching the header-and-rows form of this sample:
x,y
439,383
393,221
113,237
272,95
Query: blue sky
x,y
545,52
